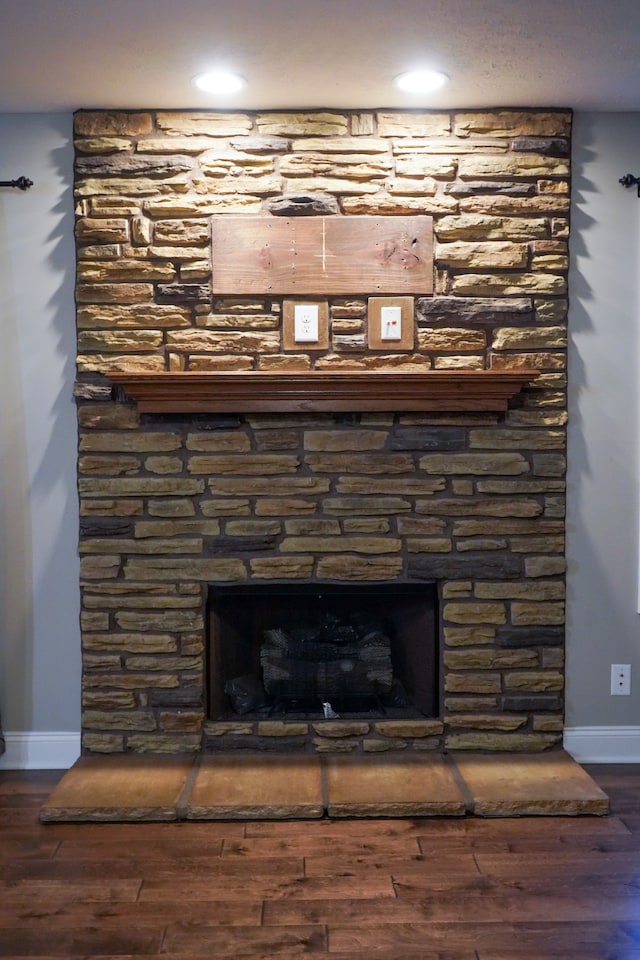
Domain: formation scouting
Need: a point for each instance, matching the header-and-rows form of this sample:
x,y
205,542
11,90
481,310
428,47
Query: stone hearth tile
x,y
516,785
392,787
119,788
256,787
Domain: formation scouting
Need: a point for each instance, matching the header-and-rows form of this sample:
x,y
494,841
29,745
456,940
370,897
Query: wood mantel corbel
x,y
322,391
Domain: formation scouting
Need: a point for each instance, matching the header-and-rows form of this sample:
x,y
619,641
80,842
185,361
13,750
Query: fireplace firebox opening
x,y
313,651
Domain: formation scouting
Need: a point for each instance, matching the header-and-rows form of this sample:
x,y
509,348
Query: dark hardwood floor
x,y
427,889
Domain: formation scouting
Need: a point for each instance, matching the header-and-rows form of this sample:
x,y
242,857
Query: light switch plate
x,y
390,323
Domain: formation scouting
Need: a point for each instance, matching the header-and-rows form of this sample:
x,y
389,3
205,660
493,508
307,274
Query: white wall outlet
x,y
391,323
305,323
620,679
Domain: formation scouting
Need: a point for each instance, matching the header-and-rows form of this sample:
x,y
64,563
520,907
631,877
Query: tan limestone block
x,y
181,231
429,545
198,341
520,590
267,440
537,544
359,167
339,440
118,720
102,416
94,621
163,465
462,362
109,466
505,526
362,124
171,528
534,681
235,164
409,486
544,566
426,165
224,508
224,728
329,184
173,621
114,292
240,186
418,124
529,439
281,568
526,614
547,784
163,663
275,507
456,589
131,316
325,745
110,441
529,338
106,700
127,341
201,206
129,186
97,743
473,683
511,166
404,786
374,745
513,123
448,145
311,526
227,570
451,338
138,681
278,728
341,728
256,787
359,568
297,361
260,464
485,659
364,463
412,186
301,124
222,321
165,743
100,251
102,230
141,487
365,525
504,742
107,145
100,568
408,728
546,360
494,254
256,486
142,601
421,525
341,544
490,721
100,661
222,362
470,285
105,363
131,270
345,144
474,463
468,636
471,226
155,546
544,205
485,507
130,642
547,724
181,721
252,528
91,123
203,123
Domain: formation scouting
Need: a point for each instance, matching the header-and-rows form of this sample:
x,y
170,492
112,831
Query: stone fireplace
x,y
461,504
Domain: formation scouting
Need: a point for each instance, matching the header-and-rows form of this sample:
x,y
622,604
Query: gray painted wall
x,y
39,604
39,635
603,482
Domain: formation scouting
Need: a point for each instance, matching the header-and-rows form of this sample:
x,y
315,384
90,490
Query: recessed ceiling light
x,y
219,82
421,81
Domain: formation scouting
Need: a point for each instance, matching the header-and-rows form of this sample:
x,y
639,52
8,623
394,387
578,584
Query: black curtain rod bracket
x,y
22,183
630,181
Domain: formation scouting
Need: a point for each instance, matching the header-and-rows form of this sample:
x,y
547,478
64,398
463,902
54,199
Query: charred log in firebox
x,y
340,657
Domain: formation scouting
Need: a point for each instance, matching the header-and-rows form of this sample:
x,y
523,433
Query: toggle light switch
x,y
305,323
391,323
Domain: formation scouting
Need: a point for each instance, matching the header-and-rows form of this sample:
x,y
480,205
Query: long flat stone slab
x,y
406,786
509,785
118,789
256,788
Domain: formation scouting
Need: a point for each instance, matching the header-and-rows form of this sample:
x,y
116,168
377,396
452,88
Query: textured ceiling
x,y
67,54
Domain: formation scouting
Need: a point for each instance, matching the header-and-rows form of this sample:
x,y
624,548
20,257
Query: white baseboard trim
x,y
603,744
39,750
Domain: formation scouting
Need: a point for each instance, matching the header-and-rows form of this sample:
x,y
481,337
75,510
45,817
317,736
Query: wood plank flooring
x,y
532,888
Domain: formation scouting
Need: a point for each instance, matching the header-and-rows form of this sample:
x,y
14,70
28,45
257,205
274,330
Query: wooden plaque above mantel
x,y
322,391
322,256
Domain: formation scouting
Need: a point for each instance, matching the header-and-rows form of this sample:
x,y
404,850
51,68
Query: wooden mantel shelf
x,y
322,391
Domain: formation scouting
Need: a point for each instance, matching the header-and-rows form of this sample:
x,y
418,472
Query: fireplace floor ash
x,y
315,651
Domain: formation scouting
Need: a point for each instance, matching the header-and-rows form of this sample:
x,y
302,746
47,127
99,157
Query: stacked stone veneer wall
x,y
172,503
